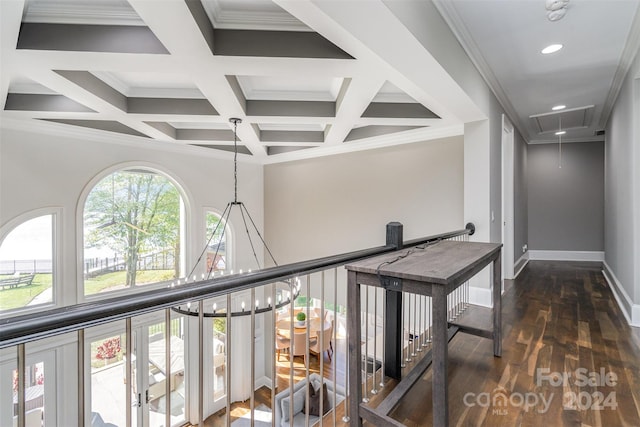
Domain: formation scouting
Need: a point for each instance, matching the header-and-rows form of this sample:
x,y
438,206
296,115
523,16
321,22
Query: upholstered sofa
x,y
281,408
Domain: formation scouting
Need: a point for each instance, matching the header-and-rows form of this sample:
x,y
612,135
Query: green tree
x,y
133,213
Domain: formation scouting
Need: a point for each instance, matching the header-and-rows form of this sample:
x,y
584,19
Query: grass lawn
x,y
22,295
117,279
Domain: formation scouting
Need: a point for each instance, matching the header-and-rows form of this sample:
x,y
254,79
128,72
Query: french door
x,y
157,382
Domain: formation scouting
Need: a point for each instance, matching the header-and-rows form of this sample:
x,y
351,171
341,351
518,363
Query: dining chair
x,y
327,346
300,346
282,343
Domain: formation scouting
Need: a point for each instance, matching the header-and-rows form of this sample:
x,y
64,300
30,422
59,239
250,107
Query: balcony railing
x,y
218,363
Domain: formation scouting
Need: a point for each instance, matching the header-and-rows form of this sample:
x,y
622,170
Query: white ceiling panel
x,y
299,88
391,93
151,85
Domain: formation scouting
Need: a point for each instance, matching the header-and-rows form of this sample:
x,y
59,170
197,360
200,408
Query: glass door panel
x,y
219,358
164,374
108,380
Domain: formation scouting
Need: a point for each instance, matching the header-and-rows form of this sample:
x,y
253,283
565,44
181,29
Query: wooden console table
x,y
435,270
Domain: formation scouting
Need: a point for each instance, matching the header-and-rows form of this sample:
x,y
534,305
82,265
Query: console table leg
x,y
440,391
497,307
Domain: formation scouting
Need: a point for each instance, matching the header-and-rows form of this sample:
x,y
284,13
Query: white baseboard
x,y
263,382
630,310
522,262
480,296
566,255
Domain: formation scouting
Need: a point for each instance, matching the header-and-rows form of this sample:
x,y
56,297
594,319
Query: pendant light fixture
x,y
560,133
285,295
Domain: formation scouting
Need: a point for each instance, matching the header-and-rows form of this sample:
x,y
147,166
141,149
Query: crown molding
x,y
97,136
81,13
631,49
451,16
401,98
103,137
567,140
289,95
248,20
399,138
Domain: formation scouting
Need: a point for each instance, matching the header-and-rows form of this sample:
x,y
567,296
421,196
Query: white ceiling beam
x,y
10,18
385,42
355,99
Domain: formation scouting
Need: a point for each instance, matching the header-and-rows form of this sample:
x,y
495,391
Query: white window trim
x,y
186,227
56,257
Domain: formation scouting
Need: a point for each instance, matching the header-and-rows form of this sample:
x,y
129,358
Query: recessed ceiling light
x,y
562,132
559,107
551,48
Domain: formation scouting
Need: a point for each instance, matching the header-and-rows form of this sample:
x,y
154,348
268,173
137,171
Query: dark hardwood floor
x,y
558,317
569,359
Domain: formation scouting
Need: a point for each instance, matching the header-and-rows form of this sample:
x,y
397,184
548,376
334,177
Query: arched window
x,y
132,231
27,264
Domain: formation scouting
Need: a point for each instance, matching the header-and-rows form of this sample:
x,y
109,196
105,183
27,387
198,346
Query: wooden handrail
x,y
29,327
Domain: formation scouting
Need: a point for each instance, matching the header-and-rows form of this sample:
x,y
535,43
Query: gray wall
x,y
521,196
566,205
622,195
328,205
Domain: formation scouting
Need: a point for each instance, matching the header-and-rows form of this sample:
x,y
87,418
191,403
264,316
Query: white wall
x,y
622,194
335,204
482,139
51,170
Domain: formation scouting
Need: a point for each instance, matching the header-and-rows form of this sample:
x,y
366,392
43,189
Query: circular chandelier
x,y
284,296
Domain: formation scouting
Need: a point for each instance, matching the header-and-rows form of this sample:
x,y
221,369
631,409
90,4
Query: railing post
x,y
394,234
393,315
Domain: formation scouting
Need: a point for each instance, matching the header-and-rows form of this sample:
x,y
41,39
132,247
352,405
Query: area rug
x,y
262,418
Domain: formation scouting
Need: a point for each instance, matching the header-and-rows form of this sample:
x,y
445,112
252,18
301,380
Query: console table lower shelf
x,y
435,271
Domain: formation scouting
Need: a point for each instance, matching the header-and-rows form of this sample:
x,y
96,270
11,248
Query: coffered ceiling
x,y
175,72
307,77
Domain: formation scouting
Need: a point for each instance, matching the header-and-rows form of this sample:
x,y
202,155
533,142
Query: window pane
x,y
131,232
108,380
26,267
157,370
219,357
216,243
33,390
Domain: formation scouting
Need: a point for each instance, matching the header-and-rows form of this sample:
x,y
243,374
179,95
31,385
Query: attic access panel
x,y
574,118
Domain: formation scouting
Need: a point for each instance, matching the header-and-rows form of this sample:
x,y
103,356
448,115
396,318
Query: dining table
x,y
313,324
